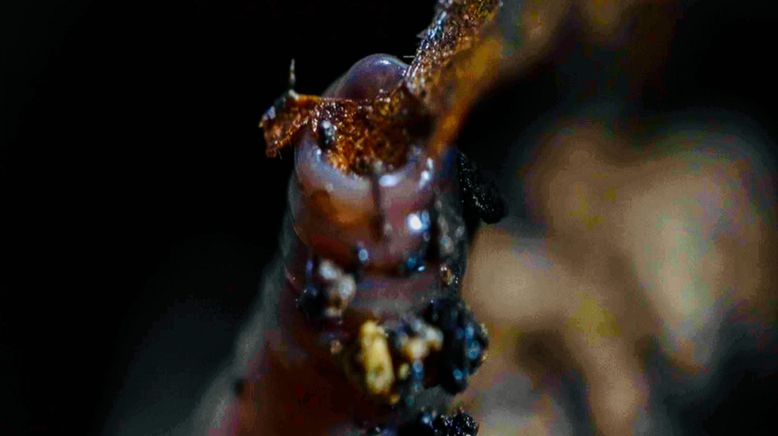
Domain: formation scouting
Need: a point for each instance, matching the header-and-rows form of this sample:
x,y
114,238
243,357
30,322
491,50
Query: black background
x,y
135,191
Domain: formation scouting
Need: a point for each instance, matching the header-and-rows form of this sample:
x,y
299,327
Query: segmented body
x,y
361,328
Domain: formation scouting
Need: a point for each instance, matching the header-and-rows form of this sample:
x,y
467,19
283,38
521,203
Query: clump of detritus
x,y
391,358
464,342
443,347
397,360
339,288
328,291
376,361
413,341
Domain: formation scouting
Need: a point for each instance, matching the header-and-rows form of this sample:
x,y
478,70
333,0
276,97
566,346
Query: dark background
x,y
137,199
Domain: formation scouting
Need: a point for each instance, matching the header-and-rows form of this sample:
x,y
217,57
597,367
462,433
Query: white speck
x,y
414,222
363,255
388,180
328,271
425,178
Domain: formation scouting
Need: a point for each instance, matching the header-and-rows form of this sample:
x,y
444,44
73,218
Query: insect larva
x,y
362,327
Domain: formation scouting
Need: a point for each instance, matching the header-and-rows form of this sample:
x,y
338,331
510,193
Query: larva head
x,y
374,153
358,192
369,77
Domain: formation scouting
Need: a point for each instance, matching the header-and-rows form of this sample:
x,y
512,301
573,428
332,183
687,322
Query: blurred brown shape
x,y
656,240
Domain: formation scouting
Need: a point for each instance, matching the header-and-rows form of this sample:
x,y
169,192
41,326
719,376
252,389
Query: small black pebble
x,y
311,303
464,342
238,386
464,424
430,423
